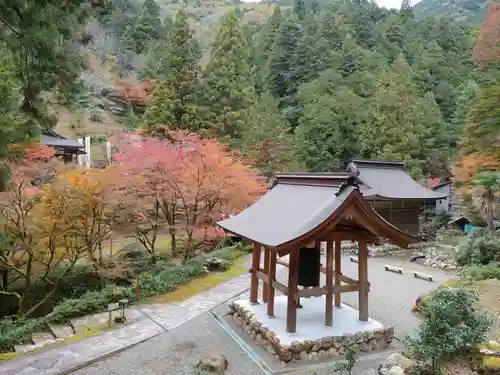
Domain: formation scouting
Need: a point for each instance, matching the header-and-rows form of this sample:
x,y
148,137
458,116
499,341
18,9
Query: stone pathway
x,y
390,302
76,326
151,320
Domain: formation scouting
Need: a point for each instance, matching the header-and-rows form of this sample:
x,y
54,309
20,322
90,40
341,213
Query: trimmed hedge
x,y
164,277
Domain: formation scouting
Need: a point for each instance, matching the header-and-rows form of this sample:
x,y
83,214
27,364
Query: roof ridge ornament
x,y
354,168
350,181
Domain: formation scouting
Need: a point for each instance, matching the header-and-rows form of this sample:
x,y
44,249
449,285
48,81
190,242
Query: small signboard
x,y
113,306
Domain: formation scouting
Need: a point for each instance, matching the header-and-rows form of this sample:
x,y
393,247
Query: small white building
x,y
444,204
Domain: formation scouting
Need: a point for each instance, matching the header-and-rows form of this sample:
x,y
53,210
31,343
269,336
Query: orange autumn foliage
x,y
469,166
192,182
486,49
132,92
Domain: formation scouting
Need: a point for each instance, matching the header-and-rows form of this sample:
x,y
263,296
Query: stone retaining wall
x,y
330,346
384,250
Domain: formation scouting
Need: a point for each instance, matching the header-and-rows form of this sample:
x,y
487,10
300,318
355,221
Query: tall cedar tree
x,y
38,35
283,59
405,126
465,101
406,9
227,87
262,47
148,26
153,63
327,131
266,138
482,131
331,34
173,101
14,126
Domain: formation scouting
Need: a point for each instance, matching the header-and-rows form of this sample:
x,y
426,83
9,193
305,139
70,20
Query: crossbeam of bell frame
x,y
335,277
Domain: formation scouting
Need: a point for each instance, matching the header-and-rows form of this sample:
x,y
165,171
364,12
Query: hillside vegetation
x,y
472,11
306,86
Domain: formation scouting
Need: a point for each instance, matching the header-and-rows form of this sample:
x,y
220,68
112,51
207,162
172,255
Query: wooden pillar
x,y
329,284
293,274
363,280
338,263
270,286
254,283
265,288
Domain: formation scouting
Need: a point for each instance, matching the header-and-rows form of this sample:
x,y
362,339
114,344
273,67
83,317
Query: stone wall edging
x,y
329,346
385,250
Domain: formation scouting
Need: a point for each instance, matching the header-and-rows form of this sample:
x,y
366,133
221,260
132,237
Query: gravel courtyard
x,y
177,351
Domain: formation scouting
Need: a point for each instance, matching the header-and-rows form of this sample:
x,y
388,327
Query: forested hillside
x,y
306,86
472,11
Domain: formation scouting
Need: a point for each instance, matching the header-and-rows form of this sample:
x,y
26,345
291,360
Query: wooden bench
x,y
393,269
421,275
416,257
354,259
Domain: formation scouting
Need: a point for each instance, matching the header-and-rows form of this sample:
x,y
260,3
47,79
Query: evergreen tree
x,y
300,9
227,88
160,112
148,26
39,36
331,34
483,122
151,67
124,13
155,52
179,77
14,126
262,47
283,58
465,102
166,25
127,39
266,137
406,10
327,131
405,126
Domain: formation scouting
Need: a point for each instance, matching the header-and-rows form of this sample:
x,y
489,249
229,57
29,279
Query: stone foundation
x,y
329,346
385,250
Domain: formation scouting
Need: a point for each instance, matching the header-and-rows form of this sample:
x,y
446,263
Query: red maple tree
x,y
186,181
150,170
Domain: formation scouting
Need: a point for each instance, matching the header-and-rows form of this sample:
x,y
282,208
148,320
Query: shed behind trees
x,y
392,192
65,148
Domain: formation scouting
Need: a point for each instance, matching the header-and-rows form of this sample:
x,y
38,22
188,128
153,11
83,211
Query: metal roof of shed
x,y
390,180
60,142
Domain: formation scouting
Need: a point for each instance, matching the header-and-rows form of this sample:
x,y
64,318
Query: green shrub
x,y
88,303
13,332
450,324
162,277
481,247
482,272
430,223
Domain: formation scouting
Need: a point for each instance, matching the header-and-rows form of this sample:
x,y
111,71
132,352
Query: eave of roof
x,y
390,180
60,142
441,184
379,162
291,214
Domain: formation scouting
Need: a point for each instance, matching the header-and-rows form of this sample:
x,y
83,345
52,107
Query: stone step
x,y
89,320
61,331
42,338
24,348
132,315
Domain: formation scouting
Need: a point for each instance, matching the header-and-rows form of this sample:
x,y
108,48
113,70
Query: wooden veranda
x,y
329,213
